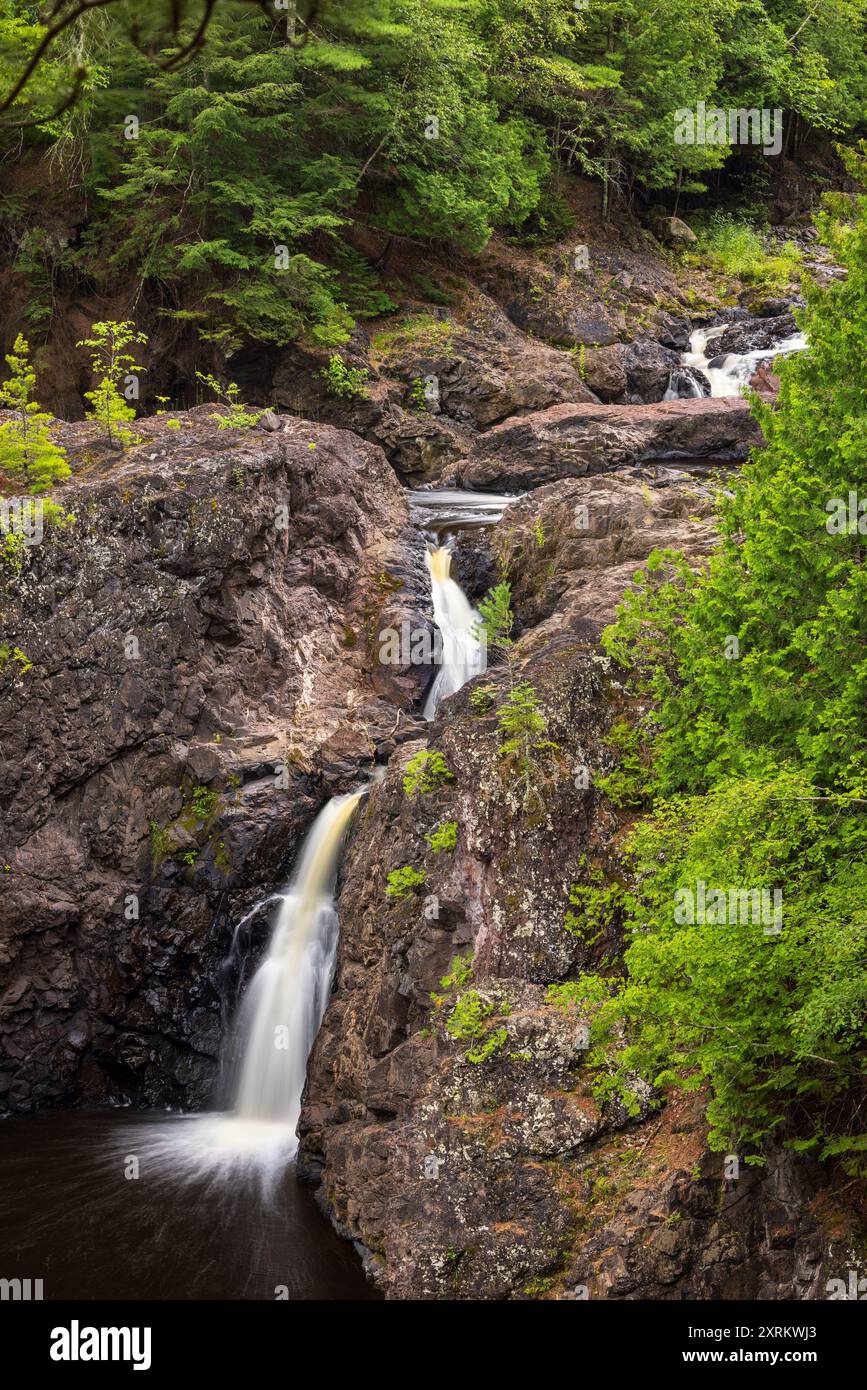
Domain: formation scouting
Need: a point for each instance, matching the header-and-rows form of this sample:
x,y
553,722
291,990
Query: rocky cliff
x,y
204,672
203,677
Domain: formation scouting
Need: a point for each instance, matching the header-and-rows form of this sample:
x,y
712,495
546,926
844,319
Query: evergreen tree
x,y
27,451
113,365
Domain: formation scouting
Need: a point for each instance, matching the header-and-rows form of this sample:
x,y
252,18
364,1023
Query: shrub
x,y
237,416
27,450
733,247
426,772
342,380
444,838
112,364
402,882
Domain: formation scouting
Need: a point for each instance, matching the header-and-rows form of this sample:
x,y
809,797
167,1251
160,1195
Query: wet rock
x,y
571,441
751,335
648,368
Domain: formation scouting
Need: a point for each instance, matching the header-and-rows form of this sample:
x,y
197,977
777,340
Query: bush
x,y
444,838
733,247
426,772
773,1021
112,365
402,882
341,380
237,416
27,451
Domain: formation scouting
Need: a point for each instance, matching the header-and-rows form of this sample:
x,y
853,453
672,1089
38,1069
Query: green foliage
x,y
469,1019
522,746
496,618
160,843
13,658
27,451
791,590
236,416
489,1047
402,882
585,992
599,904
732,246
418,402
626,785
258,168
460,972
112,364
483,699
444,838
341,380
204,802
426,771
757,756
773,1022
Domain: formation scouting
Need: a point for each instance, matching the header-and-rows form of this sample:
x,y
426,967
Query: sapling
x,y
114,367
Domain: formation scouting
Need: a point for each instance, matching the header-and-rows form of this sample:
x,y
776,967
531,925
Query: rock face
x,y
436,1163
637,372
456,1161
571,441
204,674
450,1117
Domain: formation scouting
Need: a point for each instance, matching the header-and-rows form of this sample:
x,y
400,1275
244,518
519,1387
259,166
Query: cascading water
x,y
278,1021
463,654
442,513
283,1006
731,372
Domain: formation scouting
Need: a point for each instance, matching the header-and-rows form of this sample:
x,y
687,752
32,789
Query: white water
x,y
284,1003
278,1021
736,370
463,655
439,511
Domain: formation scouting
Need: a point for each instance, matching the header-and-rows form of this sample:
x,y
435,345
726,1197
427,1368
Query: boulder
x,y
673,231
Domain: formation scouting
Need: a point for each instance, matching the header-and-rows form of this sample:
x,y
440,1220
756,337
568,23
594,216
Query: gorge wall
x,y
205,674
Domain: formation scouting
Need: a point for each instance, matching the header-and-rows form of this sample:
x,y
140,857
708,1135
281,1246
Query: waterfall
x,y
733,370
463,654
278,1021
284,1003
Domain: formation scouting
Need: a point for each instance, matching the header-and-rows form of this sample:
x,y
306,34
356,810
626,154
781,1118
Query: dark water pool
x,y
70,1216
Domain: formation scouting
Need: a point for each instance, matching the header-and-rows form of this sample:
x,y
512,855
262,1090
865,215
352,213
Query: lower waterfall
x,y
283,1006
277,1024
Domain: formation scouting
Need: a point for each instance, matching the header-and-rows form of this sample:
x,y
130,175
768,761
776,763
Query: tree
x,y
759,659
758,678
113,366
27,450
